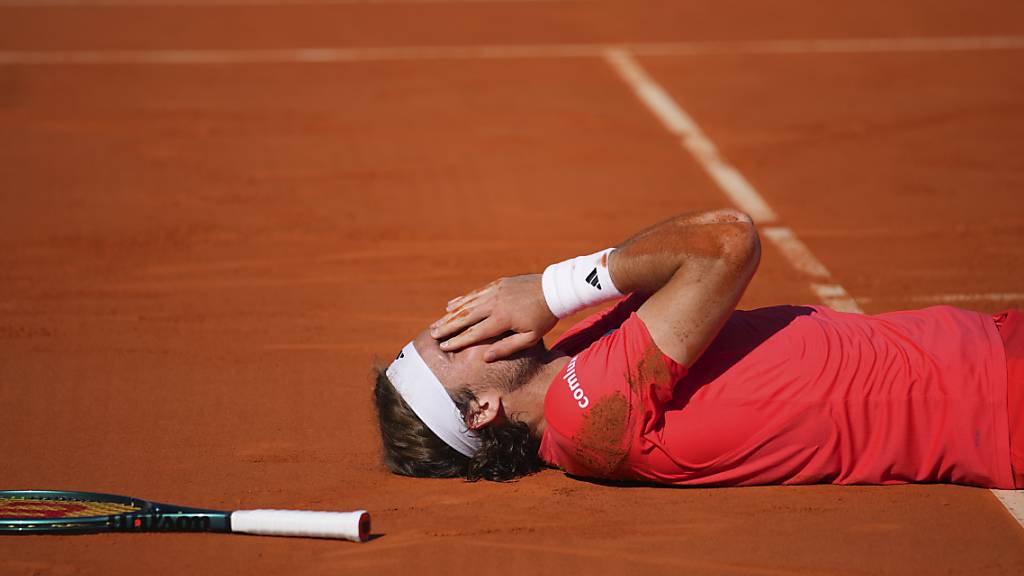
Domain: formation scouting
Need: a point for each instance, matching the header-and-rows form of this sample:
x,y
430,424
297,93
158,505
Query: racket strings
x,y
29,508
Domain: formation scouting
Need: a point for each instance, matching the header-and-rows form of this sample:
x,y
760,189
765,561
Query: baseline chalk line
x,y
957,298
537,51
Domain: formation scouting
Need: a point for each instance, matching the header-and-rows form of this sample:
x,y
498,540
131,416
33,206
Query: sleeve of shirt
x,y
606,397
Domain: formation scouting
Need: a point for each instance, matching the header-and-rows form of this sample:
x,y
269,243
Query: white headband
x,y
423,392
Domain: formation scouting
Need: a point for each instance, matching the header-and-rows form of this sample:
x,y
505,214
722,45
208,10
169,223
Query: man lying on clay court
x,y
673,385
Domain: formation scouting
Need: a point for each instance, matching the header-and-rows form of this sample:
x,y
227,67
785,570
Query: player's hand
x,y
513,304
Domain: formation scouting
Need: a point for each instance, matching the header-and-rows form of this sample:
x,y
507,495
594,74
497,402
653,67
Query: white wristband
x,y
577,283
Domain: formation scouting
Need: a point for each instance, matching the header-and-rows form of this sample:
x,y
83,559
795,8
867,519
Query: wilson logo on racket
x,y
157,521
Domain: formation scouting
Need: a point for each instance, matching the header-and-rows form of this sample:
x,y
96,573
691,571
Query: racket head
x,y
63,511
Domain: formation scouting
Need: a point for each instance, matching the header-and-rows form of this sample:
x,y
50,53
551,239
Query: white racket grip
x,y
353,526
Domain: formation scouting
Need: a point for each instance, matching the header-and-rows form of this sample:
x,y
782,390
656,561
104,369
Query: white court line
x,y
1014,503
834,46
800,257
797,252
835,297
298,55
729,179
957,298
679,123
674,118
403,53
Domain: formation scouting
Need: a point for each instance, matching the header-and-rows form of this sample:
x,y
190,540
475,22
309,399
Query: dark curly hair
x,y
410,448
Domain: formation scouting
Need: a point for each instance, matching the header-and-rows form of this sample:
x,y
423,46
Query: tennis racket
x,y
63,512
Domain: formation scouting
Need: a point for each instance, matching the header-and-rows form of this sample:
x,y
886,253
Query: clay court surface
x,y
209,233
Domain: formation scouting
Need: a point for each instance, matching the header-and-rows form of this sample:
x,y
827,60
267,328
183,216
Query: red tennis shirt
x,y
785,395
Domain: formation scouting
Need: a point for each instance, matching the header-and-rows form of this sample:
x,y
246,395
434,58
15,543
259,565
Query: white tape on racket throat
x,y
572,285
423,392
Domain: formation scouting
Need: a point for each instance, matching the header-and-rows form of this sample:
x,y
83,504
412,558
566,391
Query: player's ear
x,y
484,409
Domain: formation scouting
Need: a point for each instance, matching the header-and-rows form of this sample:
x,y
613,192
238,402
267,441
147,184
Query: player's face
x,y
455,370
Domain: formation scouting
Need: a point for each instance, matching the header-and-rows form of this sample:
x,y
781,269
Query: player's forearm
x,y
711,248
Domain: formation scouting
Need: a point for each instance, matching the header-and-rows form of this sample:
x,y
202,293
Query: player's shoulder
x,y
592,404
595,371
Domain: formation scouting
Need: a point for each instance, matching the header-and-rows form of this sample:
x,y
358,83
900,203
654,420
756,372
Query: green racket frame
x,y
150,516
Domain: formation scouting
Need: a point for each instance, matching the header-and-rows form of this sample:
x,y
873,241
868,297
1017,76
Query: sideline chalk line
x,y
402,53
746,198
679,123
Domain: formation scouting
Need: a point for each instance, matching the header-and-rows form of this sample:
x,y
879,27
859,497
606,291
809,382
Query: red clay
x,y
201,263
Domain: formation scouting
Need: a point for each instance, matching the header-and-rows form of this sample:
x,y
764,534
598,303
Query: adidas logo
x,y
593,280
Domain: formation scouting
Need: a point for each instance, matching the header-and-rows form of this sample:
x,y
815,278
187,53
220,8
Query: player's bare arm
x,y
696,266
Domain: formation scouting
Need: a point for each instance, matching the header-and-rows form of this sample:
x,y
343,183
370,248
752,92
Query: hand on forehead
x,y
453,369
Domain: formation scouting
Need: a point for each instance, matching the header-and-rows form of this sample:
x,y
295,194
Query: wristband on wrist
x,y
574,284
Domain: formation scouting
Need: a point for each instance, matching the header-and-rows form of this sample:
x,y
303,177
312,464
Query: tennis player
x,y
673,385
